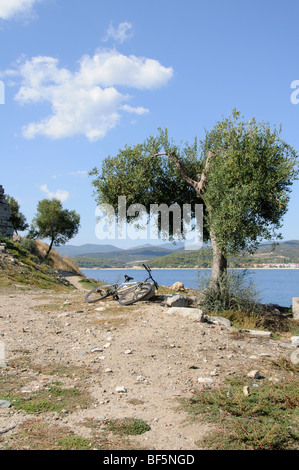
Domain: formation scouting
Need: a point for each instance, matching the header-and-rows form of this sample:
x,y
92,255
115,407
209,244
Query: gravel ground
x,y
137,361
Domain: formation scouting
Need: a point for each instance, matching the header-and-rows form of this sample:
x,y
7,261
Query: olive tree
x,y
17,219
241,171
54,222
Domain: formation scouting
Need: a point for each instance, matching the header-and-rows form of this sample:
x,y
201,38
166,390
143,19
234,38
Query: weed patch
x,y
267,419
127,426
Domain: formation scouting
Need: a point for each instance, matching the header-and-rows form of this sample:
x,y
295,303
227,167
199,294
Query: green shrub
x,y
236,292
29,245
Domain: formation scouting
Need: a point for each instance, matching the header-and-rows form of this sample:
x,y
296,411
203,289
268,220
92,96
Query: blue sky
x,y
83,79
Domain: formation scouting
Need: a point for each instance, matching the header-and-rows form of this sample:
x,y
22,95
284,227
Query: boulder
x,y
178,286
177,300
193,313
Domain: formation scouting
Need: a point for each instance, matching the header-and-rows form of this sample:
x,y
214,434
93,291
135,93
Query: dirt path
x,y
139,360
73,279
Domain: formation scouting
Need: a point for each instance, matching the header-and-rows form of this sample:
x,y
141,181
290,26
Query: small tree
x,y
55,223
242,172
17,219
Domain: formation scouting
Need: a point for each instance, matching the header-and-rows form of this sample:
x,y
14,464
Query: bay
x,y
276,286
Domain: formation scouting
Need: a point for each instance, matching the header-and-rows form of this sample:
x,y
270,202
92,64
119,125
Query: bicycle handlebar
x,y
149,271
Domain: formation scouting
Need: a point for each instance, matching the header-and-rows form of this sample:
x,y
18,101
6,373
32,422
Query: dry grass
x,y
56,261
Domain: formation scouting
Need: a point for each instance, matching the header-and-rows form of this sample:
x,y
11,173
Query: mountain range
x,y
170,255
95,251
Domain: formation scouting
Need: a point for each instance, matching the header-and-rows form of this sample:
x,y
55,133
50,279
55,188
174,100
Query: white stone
x,y
193,313
266,334
205,380
295,340
295,357
219,320
254,374
295,308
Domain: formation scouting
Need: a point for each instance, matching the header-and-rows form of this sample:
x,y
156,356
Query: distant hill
x,y
170,255
83,250
284,253
92,250
122,258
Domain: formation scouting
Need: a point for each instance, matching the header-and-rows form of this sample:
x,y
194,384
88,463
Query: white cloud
x,y
121,34
78,173
11,8
139,110
86,102
59,194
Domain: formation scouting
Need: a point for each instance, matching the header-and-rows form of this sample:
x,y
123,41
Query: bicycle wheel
x,y
100,292
135,294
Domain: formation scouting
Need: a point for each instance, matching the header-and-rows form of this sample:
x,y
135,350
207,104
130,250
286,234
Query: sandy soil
x,y
154,357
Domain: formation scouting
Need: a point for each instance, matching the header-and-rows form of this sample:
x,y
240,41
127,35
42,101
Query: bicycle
x,y
125,292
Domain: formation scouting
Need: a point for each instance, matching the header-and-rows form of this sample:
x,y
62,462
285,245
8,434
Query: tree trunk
x,y
219,265
50,248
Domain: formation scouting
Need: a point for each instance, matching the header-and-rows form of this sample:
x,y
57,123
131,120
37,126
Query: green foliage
x,y
54,222
127,426
29,245
251,173
145,177
74,442
51,399
17,219
235,291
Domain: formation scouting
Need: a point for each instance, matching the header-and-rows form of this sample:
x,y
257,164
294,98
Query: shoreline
x,y
135,268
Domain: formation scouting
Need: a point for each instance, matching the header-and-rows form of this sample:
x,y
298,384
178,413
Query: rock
x,y
151,293
218,320
5,404
178,286
295,308
128,351
176,300
295,357
205,380
254,374
295,340
265,334
96,350
121,390
193,313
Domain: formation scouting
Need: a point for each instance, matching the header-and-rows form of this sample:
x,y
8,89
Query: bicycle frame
x,y
123,287
119,289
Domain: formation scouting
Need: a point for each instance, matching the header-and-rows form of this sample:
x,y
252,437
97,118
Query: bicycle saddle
x,y
128,278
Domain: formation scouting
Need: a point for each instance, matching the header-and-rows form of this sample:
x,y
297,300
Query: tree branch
x,y
197,185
